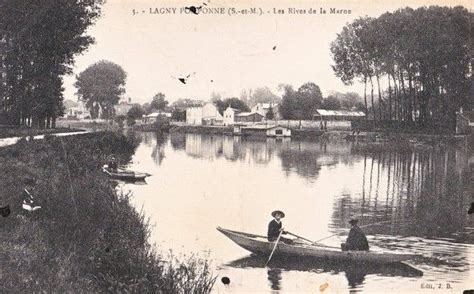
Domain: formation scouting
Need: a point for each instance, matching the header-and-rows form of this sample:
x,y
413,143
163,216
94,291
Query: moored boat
x,y
125,175
260,245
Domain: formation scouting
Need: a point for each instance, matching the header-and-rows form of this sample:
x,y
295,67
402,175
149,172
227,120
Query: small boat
x,y
125,175
260,245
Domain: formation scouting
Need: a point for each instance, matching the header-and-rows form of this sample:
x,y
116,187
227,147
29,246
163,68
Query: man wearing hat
x,y
356,239
113,165
275,227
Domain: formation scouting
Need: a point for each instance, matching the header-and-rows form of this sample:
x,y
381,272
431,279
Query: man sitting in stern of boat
x,y
356,239
275,227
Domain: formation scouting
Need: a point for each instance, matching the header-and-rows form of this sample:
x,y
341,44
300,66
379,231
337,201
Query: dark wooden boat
x,y
261,246
125,175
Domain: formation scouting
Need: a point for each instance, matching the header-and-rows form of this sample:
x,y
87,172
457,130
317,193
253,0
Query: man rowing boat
x,y
356,239
275,228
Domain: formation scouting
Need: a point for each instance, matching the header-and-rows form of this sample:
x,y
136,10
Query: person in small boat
x,y
356,239
275,227
113,165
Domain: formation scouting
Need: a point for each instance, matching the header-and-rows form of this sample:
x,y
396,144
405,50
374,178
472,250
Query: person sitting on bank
x,y
356,239
113,165
275,227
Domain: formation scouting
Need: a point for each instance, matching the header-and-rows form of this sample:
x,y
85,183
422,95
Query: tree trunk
x,y
389,99
372,97
365,97
404,98
380,98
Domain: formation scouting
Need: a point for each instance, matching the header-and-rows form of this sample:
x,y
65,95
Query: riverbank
x,y
86,237
338,135
90,125
14,131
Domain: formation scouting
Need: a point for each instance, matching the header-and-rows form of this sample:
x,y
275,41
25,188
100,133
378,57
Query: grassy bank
x,y
10,131
86,237
92,125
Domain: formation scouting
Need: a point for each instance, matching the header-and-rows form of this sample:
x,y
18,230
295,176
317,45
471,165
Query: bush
x,y
86,237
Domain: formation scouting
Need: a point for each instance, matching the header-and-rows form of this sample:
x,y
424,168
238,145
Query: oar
x,y
274,247
290,233
312,242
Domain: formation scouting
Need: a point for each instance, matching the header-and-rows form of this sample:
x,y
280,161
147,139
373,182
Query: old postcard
x,y
237,146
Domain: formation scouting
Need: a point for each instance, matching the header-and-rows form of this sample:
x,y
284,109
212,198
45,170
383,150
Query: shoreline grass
x,y
87,237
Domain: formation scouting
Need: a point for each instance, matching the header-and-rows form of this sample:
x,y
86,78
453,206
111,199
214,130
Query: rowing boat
x,y
261,246
125,175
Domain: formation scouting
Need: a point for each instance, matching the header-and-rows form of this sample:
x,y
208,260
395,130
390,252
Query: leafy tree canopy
x,y
100,86
233,102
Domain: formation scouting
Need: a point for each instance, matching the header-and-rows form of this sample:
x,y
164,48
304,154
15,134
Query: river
x,y
421,195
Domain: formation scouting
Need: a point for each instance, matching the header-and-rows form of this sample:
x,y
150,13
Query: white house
x,y
194,115
153,117
75,110
123,107
264,108
206,114
229,116
211,115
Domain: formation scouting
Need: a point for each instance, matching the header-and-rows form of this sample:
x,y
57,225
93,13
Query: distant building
x,y
248,117
211,115
337,115
206,114
465,122
194,115
264,108
75,110
229,115
123,107
153,117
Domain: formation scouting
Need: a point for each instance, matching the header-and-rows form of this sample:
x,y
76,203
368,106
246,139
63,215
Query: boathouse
x,y
262,131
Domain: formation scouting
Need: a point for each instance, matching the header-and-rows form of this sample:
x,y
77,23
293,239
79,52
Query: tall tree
x,y
309,99
288,108
159,102
425,55
100,86
262,95
233,102
40,40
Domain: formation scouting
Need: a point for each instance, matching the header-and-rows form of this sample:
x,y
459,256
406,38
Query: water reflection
x,y
420,196
355,273
274,277
305,158
417,193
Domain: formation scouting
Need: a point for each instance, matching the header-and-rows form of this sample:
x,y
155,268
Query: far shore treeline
x,y
415,64
423,55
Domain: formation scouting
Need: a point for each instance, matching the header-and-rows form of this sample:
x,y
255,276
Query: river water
x,y
421,196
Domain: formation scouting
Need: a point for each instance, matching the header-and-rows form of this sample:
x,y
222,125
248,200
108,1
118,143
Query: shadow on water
x,y
354,272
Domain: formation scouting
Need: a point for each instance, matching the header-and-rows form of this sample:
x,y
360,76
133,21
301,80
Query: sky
x,y
221,52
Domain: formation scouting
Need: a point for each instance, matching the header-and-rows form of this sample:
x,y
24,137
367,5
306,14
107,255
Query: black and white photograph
x,y
231,146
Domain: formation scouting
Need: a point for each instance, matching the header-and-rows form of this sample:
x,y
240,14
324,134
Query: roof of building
x,y
267,105
247,114
325,112
262,127
234,109
156,114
